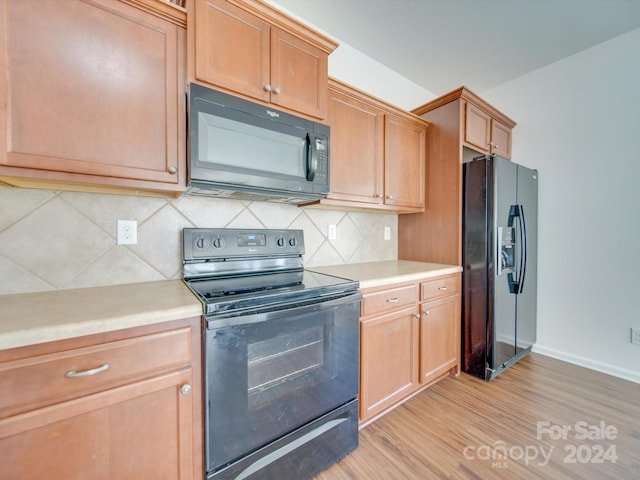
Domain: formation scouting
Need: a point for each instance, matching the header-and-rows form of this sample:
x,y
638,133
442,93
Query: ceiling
x,y
443,44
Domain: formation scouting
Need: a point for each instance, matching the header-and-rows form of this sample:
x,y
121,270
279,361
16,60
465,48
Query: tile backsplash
x,y
57,240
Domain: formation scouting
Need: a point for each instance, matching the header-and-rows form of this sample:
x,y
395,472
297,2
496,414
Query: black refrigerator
x,y
499,257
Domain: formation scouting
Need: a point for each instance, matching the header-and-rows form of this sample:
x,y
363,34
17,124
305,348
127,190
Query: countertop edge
x,y
380,274
409,277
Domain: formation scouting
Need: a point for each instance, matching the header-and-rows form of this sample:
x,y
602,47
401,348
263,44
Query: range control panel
x,y
203,243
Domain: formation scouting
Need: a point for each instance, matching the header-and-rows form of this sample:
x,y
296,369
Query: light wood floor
x,y
461,428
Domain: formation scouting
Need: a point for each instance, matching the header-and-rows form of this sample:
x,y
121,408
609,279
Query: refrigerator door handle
x,y
523,250
517,212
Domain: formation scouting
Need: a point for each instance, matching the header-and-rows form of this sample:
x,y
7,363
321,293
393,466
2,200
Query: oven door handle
x,y
282,311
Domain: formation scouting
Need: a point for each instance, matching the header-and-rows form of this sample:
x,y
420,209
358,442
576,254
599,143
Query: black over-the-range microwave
x,y
241,149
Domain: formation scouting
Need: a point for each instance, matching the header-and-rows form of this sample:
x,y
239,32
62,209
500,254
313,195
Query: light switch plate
x,y
387,233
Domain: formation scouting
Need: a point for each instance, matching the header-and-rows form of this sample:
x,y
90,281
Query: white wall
x,y
579,124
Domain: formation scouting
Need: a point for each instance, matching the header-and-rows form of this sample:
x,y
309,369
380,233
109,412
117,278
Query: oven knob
x,y
202,243
280,241
293,242
218,242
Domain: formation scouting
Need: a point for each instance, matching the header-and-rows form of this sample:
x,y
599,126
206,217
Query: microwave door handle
x,y
311,159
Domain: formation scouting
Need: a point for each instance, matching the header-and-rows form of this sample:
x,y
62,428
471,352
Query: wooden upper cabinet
x,y
92,93
247,47
477,128
232,48
357,134
484,133
461,124
298,74
405,150
501,138
377,153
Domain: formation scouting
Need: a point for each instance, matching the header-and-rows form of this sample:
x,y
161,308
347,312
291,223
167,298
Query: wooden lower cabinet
x,y
439,337
409,339
440,324
146,426
389,360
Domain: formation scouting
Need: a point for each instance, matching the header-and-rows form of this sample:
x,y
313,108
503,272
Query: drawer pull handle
x,y
444,289
393,300
88,373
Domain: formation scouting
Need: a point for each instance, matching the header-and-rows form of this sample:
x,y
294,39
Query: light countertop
x,y
30,318
376,274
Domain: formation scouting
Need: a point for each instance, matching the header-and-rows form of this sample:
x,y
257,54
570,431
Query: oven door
x,y
268,373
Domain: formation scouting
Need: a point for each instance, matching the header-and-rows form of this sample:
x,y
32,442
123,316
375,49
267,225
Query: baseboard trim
x,y
588,363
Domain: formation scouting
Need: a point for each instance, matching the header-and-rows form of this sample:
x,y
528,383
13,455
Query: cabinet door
x,y
357,131
405,157
500,139
477,128
231,48
439,337
298,74
388,360
91,89
142,430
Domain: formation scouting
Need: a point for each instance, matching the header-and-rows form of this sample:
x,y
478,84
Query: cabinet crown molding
x,y
281,20
465,94
346,89
164,9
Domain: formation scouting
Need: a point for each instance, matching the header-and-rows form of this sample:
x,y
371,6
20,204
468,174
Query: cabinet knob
x,y
426,313
389,197
377,195
185,389
417,315
172,169
496,147
267,88
276,90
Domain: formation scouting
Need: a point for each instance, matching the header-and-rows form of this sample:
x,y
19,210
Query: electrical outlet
x,y
332,233
127,232
387,233
635,336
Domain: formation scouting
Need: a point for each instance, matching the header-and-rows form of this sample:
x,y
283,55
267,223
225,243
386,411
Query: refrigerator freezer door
x,y
505,181
526,300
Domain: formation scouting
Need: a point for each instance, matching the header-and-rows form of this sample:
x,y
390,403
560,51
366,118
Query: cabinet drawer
x,y
47,378
439,287
389,299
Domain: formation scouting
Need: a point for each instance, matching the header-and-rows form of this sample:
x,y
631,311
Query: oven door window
x,y
268,374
